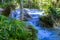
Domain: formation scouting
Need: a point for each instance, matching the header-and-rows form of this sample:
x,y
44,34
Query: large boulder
x,y
46,21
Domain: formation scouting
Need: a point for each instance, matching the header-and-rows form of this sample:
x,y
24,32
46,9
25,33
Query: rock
x,y
46,21
57,23
26,15
1,10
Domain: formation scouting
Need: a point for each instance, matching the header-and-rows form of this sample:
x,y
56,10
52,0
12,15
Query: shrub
x,y
13,29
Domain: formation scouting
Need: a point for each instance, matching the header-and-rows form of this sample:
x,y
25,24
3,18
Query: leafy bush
x,y
52,17
5,3
13,29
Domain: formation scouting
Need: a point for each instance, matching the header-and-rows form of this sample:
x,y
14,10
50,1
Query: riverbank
x,y
13,29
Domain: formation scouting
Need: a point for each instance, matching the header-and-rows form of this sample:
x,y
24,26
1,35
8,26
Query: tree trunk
x,y
21,11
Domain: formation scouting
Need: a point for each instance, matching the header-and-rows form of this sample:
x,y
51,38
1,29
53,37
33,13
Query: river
x,y
43,33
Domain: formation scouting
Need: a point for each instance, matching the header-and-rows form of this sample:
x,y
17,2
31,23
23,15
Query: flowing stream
x,y
43,33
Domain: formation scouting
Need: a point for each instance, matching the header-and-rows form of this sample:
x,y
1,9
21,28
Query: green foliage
x,y
53,12
13,29
29,3
45,4
5,3
52,17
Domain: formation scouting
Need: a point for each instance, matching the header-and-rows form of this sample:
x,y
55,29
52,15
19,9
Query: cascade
x,y
43,33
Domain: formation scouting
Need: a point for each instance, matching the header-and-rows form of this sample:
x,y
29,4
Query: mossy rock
x,y
46,21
